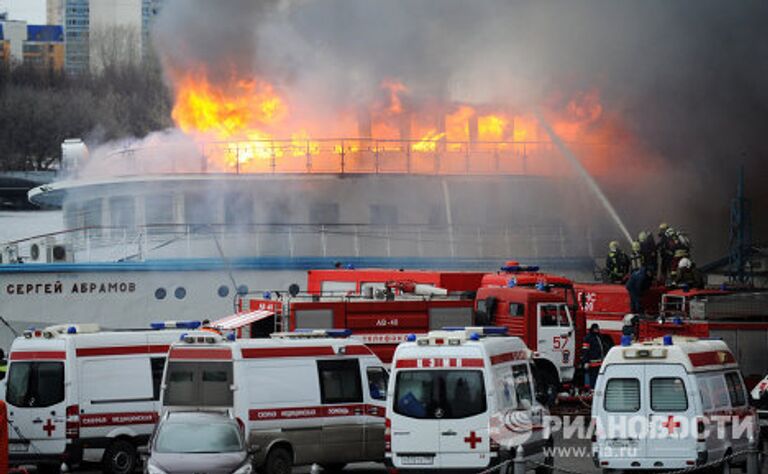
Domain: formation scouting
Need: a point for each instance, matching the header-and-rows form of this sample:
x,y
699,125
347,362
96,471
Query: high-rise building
x,y
54,12
101,31
14,34
76,36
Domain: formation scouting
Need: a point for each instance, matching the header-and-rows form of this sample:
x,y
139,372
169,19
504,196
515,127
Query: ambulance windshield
x,y
35,384
439,394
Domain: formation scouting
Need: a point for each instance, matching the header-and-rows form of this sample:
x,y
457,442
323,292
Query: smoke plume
x,y
686,78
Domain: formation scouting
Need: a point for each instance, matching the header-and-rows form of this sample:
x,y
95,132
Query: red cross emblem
x,y
472,440
49,427
671,424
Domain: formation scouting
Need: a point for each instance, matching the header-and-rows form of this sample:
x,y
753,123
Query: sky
x,y
32,11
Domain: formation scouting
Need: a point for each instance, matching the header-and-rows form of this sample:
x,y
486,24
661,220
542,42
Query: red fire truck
x,y
383,306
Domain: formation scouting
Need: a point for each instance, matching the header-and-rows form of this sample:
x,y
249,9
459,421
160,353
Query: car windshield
x,y
201,437
35,384
439,393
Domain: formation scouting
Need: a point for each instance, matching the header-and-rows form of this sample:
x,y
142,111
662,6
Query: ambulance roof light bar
x,y
313,333
479,330
158,325
201,338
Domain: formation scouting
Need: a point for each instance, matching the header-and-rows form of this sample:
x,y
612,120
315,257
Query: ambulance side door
x,y
376,379
671,409
341,396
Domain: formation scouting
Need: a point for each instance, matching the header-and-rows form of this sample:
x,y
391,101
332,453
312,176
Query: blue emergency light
x,y
231,337
72,330
410,338
474,336
677,320
626,341
512,282
520,268
267,295
175,325
667,340
541,286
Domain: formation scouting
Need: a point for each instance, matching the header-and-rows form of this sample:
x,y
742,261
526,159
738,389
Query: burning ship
x,y
246,195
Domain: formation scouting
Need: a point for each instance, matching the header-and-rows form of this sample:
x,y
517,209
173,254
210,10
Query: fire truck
x,y
382,307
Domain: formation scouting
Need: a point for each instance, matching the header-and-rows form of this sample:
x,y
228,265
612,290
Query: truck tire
x,y
279,461
120,458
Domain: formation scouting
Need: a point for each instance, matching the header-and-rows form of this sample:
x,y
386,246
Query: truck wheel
x,y
120,458
333,467
279,461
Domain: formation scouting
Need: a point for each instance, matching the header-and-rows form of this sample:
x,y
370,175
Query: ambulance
x,y
671,403
77,393
304,397
463,398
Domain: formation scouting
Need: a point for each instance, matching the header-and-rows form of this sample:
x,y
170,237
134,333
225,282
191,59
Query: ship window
x,y
383,214
92,216
324,213
223,291
238,210
180,293
198,209
159,213
160,293
122,213
242,290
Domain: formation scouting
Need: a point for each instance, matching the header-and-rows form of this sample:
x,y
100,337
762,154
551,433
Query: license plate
x,y
18,447
622,443
417,460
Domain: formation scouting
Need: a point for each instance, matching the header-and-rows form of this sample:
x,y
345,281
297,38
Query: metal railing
x,y
157,241
338,156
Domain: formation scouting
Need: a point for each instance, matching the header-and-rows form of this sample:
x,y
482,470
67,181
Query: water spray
x,y
574,161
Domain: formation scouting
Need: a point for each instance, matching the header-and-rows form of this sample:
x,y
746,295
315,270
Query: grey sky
x,y
31,11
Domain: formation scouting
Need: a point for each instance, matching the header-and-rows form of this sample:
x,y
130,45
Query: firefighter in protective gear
x,y
616,263
664,251
593,351
688,275
649,252
639,278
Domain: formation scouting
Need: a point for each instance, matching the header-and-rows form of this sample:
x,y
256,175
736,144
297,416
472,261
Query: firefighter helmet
x,y
642,236
670,232
635,246
613,246
684,263
663,227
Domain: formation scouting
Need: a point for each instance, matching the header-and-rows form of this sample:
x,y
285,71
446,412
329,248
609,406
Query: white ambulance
x,y
76,393
670,403
302,397
463,399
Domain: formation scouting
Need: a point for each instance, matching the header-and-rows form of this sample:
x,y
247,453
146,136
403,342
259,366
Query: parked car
x,y
210,442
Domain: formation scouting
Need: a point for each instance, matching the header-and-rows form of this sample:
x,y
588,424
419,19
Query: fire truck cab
x,y
540,318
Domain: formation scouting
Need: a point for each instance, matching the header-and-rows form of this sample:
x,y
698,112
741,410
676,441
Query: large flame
x,y
258,125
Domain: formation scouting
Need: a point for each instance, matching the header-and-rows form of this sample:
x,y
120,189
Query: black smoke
x,y
688,77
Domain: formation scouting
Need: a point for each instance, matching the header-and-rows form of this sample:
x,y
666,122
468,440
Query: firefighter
x,y
636,258
3,364
688,275
629,325
639,281
648,251
663,249
616,263
593,352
